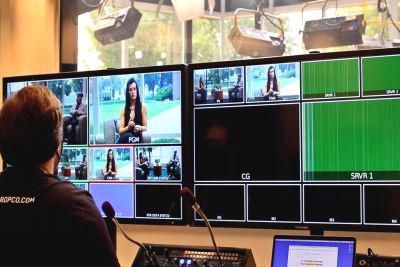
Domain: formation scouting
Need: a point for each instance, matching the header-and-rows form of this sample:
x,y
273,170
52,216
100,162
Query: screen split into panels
x,y
308,140
140,174
294,141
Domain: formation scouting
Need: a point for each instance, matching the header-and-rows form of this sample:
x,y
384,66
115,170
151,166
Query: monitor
x,y
324,251
320,152
136,162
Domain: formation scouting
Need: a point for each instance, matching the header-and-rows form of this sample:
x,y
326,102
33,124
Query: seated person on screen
x,y
143,163
43,217
233,92
172,164
77,111
272,88
133,118
110,170
80,170
202,91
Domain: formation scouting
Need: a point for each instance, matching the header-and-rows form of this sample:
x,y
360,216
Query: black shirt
x,y
49,222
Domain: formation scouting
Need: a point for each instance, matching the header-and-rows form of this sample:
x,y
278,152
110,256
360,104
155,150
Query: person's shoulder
x,y
63,195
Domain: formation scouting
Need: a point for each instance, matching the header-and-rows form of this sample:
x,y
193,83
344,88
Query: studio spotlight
x,y
333,32
117,26
255,42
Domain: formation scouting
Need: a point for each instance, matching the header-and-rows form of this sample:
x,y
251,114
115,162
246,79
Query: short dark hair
x,y
79,95
30,126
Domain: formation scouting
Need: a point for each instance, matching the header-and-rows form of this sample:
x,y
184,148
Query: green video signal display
x,y
380,75
352,140
330,78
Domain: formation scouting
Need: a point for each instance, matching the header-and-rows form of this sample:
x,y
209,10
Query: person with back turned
x,y
44,221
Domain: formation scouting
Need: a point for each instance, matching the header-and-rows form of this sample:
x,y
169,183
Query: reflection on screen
x,y
221,202
159,201
248,143
332,204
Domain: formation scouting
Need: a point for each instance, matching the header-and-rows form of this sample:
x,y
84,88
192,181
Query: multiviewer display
x,y
123,138
282,142
319,149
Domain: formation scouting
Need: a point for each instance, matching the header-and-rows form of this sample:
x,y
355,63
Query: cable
x,y
261,10
371,255
390,16
325,20
90,5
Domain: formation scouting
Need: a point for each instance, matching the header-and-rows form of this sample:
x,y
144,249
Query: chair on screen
x,y
111,133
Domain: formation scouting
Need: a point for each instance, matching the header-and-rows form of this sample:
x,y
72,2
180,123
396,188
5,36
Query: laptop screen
x,y
310,251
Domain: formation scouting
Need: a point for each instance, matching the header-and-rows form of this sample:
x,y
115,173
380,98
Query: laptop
x,y
313,251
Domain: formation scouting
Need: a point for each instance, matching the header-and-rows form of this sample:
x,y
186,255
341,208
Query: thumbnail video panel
x,y
330,78
381,204
111,163
273,82
158,163
73,96
221,202
274,203
380,75
247,143
354,141
158,201
154,117
120,196
218,85
332,204
73,163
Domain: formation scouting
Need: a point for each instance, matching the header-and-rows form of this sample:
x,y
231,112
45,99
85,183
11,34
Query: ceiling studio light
x,y
117,26
188,9
257,43
332,32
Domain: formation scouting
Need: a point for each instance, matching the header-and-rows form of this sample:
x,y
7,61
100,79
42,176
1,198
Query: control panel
x,y
174,255
363,260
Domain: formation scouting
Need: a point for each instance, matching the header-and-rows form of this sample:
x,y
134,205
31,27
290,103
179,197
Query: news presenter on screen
x,y
133,119
44,221
272,88
111,169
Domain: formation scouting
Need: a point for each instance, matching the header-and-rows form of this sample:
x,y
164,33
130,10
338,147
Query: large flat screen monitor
x,y
127,152
305,141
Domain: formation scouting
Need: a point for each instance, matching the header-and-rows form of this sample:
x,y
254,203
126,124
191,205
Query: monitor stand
x,y
316,230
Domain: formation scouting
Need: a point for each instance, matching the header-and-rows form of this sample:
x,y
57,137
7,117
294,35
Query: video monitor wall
x,y
123,137
312,141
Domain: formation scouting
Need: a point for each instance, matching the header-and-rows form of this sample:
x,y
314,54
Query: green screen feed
x,y
330,78
352,140
380,75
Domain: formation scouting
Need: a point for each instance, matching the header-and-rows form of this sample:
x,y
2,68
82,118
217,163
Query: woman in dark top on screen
x,y
201,89
133,118
143,163
272,88
110,170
